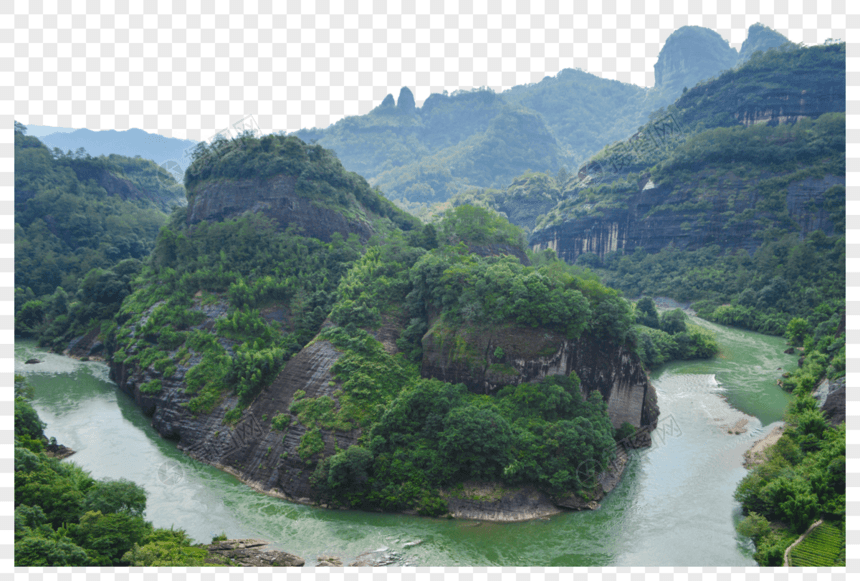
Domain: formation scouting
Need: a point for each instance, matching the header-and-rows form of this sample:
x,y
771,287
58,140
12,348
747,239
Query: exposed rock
x,y
275,197
831,399
249,553
637,225
494,502
86,345
466,355
329,561
692,54
265,459
32,361
760,38
500,250
406,101
54,450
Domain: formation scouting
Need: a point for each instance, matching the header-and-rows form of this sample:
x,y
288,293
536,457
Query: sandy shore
x,y
755,455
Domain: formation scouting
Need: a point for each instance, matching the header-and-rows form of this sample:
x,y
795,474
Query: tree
x,y
116,496
646,313
20,128
673,322
797,330
348,469
754,526
109,536
38,551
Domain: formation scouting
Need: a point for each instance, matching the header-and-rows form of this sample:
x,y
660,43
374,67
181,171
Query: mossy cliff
x,y
489,358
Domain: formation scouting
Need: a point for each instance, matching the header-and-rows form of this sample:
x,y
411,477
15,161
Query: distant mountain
x,y
482,139
43,130
761,38
130,143
691,54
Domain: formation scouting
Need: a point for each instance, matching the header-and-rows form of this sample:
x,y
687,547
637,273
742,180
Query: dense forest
x,y
83,227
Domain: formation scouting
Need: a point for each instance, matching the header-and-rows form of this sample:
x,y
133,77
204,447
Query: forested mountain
x,y
749,163
374,361
478,138
129,143
82,227
43,130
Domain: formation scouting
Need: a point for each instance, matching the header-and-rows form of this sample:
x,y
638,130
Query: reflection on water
x,y
673,507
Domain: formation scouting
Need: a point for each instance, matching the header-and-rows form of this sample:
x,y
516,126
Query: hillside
x,y
353,365
82,227
481,139
129,143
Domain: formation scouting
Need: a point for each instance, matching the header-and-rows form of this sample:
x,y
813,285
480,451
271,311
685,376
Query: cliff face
x,y
728,218
263,457
490,358
776,107
275,197
760,38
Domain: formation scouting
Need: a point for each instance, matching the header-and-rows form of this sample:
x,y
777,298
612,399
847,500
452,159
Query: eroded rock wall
x,y
276,197
487,359
263,457
655,218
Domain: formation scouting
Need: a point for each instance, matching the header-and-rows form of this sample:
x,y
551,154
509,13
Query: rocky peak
x,y
692,54
387,102
760,38
406,101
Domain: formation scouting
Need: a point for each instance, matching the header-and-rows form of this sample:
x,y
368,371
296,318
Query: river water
x,y
674,506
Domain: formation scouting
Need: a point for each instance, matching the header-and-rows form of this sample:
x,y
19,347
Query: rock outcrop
x,y
760,38
260,455
692,54
276,198
655,217
270,460
249,553
486,359
830,394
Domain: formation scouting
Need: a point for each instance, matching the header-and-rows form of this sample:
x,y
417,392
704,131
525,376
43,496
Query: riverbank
x,y
756,454
673,505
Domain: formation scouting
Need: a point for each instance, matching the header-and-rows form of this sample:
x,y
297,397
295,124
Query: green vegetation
x,y
784,279
318,172
480,139
803,478
824,547
434,434
64,517
82,227
669,337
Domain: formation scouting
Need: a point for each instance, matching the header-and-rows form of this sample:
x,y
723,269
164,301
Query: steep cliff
x,y
250,447
760,38
276,197
694,214
488,358
691,54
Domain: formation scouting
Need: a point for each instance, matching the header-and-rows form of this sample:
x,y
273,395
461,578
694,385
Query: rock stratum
x,y
658,216
277,198
466,355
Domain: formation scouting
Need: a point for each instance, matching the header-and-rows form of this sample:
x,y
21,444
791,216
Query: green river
x,y
674,506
